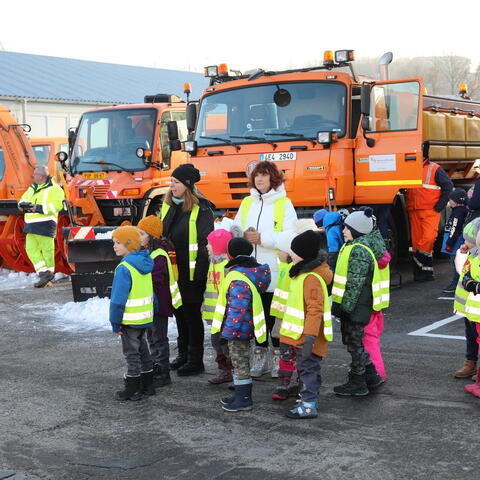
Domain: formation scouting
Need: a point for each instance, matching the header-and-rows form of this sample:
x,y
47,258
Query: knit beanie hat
x,y
128,236
151,225
458,195
239,246
318,217
187,174
360,222
470,231
306,245
285,238
218,240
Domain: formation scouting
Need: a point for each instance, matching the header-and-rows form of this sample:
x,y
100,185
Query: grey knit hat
x,y
361,221
470,231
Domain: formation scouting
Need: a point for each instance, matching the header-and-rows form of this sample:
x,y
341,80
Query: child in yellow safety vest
x,y
217,252
131,310
306,326
166,292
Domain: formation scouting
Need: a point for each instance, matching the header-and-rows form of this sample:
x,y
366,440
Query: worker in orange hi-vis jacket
x,y
424,206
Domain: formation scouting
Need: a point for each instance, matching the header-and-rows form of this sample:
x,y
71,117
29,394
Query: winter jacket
x,y
175,228
358,299
161,282
453,230
238,319
313,301
260,216
122,284
332,223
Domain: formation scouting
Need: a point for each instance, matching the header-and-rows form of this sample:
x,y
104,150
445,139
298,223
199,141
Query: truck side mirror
x,y
365,100
172,130
72,135
191,116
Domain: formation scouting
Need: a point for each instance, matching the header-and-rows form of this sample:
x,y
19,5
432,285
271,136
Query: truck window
x,y
395,106
42,154
181,119
2,164
166,117
254,112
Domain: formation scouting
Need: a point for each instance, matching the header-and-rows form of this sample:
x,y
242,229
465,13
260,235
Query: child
x,y
332,223
359,288
239,316
167,293
469,368
471,285
131,311
452,238
217,252
307,323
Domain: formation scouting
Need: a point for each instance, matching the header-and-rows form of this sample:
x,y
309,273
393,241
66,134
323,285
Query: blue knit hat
x,y
318,217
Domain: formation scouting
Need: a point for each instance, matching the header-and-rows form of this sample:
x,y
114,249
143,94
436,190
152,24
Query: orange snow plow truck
x,y
341,139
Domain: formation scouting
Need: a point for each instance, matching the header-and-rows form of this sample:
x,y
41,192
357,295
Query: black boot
x,y
44,279
147,383
194,365
161,376
181,356
372,377
356,386
132,390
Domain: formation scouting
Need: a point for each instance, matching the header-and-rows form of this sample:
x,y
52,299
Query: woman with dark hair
x,y
187,220
264,216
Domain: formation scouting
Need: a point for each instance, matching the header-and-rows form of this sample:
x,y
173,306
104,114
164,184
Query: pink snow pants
x,y
371,342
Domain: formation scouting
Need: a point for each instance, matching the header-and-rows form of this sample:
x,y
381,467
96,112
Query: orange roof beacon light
x,y
424,90
223,70
211,71
463,91
328,58
187,89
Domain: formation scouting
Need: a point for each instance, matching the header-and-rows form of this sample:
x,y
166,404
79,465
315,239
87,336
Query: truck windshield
x,y
274,112
107,140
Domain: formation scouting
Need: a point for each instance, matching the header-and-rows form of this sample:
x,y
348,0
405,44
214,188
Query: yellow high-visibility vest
x,y
472,305
50,196
280,295
216,274
172,283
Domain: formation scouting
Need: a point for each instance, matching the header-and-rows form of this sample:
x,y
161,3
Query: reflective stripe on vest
x,y
280,295
294,317
139,306
216,274
380,281
278,212
259,325
427,196
172,283
472,305
49,197
192,236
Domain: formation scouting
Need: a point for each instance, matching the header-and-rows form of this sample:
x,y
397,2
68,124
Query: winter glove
x,y
307,345
448,248
37,209
470,285
25,206
276,328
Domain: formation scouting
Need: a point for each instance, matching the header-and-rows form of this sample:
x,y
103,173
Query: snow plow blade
x,y
94,261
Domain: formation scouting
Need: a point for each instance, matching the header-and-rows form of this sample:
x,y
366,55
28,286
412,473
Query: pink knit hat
x,y
218,240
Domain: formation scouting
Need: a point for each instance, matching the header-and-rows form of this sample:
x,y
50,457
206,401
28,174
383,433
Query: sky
x,y
247,34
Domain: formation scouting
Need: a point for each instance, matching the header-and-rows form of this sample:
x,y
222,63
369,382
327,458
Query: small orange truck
x,y
341,139
45,149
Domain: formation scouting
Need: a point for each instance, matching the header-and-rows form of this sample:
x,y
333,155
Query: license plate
x,y
278,157
94,176
122,211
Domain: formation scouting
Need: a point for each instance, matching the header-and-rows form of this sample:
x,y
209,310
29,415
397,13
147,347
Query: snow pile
x,y
104,236
10,279
89,315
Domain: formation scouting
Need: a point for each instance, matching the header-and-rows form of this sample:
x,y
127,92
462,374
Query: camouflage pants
x,y
240,356
352,337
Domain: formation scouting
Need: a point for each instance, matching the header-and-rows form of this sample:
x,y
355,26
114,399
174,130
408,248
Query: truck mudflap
x,y
90,251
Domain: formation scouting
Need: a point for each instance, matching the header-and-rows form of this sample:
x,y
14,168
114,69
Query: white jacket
x,y
260,216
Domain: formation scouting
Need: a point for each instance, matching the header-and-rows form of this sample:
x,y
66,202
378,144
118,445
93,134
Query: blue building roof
x,y
39,76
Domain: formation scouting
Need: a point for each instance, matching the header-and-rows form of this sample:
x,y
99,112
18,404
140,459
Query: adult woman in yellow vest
x,y
359,289
424,206
187,220
307,323
263,216
166,290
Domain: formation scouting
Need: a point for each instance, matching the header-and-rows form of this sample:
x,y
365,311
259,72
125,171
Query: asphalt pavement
x,y
59,420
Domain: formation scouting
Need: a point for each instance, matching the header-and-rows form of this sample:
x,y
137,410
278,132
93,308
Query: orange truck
x,y
120,162
45,149
341,139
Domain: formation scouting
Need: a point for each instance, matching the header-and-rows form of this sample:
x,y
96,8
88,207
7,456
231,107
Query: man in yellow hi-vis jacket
x,y
41,203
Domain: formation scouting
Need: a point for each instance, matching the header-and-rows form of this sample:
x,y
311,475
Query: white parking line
x,y
424,332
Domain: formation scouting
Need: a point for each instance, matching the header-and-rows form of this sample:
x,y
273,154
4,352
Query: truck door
x,y
395,160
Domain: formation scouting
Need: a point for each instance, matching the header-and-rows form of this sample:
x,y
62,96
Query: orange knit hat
x,y
151,225
129,236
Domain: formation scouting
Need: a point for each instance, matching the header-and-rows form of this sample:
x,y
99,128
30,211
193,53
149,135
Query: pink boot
x,y
474,388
